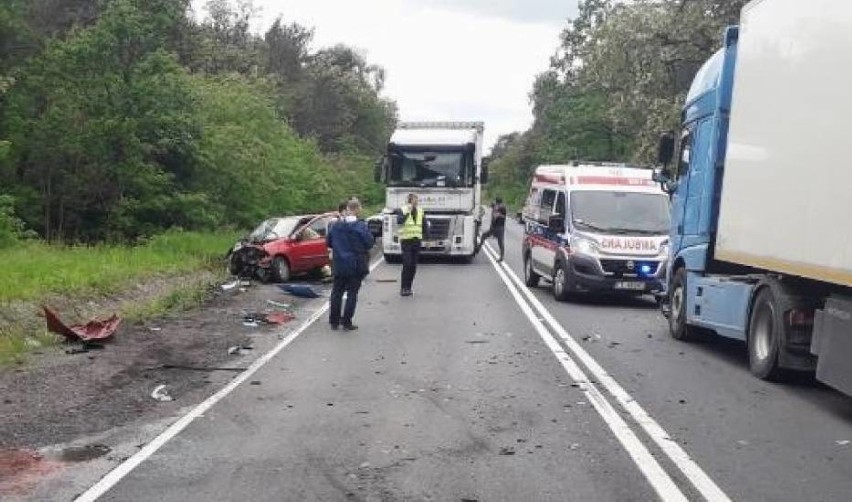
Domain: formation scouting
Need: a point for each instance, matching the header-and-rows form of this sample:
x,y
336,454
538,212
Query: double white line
x,y
568,355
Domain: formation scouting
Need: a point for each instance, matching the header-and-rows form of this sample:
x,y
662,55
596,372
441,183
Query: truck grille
x,y
623,268
437,228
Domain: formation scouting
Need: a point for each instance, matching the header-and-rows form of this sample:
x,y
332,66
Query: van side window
x,y
560,206
548,197
533,199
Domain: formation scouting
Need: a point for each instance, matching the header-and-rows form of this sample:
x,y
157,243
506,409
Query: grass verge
x,y
183,266
36,270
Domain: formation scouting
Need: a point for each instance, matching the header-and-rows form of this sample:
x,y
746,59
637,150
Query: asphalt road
x,y
466,392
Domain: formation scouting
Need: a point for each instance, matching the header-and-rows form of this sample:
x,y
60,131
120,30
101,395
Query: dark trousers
x,y
349,285
498,233
410,256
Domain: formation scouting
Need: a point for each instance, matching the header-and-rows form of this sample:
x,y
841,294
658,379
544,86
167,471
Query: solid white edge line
x,y
693,472
658,478
122,470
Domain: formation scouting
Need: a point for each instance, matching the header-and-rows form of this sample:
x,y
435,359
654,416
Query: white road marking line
x,y
693,472
659,479
122,470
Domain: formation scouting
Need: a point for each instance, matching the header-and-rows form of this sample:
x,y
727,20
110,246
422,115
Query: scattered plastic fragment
x,y
278,318
239,350
229,286
507,450
843,442
254,319
299,290
96,329
279,304
161,394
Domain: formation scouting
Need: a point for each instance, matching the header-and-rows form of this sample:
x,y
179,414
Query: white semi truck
x,y
442,163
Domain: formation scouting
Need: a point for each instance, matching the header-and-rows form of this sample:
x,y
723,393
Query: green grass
x,y
33,271
180,299
15,344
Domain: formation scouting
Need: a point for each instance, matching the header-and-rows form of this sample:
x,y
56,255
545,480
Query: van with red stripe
x,y
596,228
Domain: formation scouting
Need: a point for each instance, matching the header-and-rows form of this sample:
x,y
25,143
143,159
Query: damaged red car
x,y
280,248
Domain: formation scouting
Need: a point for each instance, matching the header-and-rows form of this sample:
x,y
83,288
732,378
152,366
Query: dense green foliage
x,y
618,79
120,119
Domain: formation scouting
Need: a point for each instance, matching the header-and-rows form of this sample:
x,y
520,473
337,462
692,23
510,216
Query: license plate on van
x,y
630,286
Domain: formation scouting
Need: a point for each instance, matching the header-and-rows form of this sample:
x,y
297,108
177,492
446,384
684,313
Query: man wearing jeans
x,y
498,227
350,241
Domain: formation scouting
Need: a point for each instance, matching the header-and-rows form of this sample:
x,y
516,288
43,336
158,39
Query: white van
x,y
596,228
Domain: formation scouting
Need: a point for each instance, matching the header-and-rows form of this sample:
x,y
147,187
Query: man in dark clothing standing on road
x,y
413,226
498,226
350,241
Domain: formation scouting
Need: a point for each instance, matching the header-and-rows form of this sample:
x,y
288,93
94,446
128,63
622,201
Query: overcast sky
x,y
445,59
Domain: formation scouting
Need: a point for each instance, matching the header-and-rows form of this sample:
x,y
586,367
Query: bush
x,y
11,227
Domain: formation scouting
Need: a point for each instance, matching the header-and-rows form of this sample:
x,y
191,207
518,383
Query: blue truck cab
x,y
703,293
763,111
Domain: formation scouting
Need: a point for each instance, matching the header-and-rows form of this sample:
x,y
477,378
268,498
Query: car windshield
x,y
274,228
620,212
450,169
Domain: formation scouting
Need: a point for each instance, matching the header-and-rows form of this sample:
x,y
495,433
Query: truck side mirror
x,y
556,223
666,149
483,175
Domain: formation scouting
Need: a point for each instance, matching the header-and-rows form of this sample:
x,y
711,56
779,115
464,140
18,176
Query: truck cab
x,y
596,228
440,162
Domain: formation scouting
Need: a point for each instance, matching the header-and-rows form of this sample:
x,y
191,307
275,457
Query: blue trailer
x,y
761,244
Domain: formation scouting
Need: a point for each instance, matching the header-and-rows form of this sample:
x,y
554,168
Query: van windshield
x,y
620,212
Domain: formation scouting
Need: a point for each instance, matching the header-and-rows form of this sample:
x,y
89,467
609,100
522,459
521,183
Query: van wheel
x,y
765,336
561,291
530,277
677,319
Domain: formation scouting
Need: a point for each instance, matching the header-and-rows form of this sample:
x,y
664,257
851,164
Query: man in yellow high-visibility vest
x,y
412,223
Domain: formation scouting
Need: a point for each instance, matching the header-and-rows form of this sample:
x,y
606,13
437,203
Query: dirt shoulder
x,y
57,409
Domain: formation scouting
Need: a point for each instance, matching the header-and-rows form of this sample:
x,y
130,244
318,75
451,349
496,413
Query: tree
x,y
115,110
619,77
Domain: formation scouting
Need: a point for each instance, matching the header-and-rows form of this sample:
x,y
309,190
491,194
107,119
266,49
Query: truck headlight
x,y
584,246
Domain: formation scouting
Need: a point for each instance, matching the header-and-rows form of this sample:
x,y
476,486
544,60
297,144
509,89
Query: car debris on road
x,y
161,394
96,329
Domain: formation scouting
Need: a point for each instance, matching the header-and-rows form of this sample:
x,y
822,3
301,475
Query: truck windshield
x,y
620,212
430,169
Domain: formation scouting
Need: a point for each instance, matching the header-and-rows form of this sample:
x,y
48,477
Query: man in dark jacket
x,y
350,241
498,226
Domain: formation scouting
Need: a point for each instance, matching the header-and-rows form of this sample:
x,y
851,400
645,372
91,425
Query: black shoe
x,y
406,292
335,327
350,327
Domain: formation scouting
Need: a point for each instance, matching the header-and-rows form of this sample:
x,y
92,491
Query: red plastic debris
x,y
279,317
96,329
